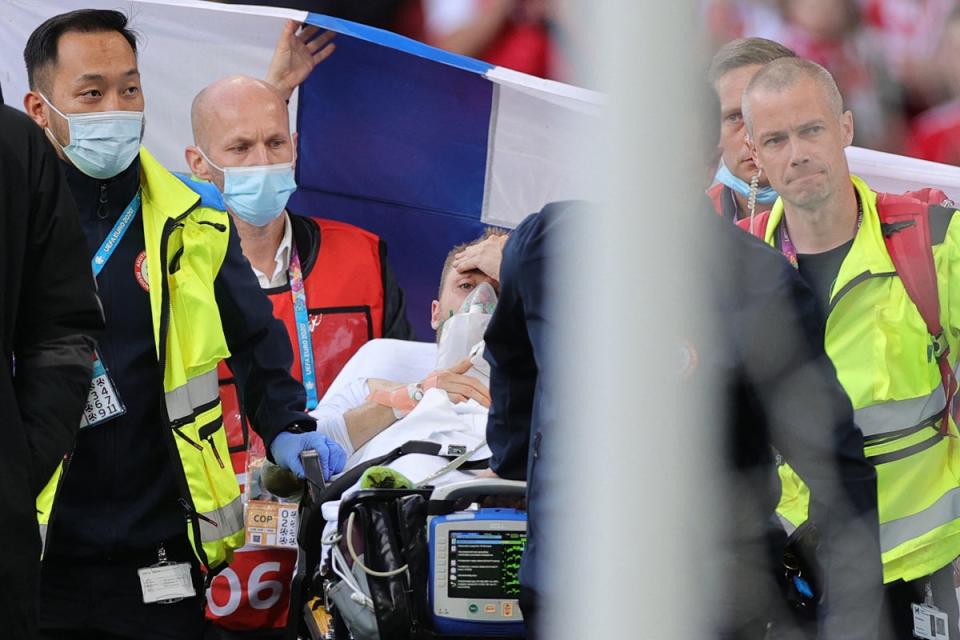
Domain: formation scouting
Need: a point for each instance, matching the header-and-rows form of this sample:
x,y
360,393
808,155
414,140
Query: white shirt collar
x,y
279,277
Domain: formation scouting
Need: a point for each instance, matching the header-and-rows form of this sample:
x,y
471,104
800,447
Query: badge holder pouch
x,y
271,520
929,622
167,577
103,401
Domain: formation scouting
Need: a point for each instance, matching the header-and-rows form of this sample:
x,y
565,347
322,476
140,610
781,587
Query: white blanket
x,y
435,419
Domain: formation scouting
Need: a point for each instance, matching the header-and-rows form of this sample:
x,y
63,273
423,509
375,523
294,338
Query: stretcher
x,y
417,564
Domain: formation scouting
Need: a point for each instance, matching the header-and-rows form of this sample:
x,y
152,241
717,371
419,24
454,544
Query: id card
x,y
166,583
103,401
929,622
271,524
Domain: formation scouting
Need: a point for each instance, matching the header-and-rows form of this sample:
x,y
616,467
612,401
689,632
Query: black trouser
x,y
897,621
104,601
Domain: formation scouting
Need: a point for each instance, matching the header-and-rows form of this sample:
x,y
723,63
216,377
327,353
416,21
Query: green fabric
x,y
384,478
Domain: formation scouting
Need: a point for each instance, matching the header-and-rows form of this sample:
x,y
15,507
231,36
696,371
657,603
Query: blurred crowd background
x,y
525,35
897,62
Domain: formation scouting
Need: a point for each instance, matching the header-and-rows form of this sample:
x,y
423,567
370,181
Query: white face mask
x,y
102,143
462,331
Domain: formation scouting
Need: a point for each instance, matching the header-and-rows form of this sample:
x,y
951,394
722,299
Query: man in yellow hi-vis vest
x,y
827,224
147,504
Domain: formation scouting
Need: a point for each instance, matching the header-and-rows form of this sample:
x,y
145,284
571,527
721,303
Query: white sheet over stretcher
x,y
435,419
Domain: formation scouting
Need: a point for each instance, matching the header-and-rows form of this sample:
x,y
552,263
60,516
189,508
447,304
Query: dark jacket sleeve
x,y
59,314
513,370
395,322
810,421
261,355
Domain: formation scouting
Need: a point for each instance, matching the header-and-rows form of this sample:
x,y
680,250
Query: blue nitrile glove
x,y
287,447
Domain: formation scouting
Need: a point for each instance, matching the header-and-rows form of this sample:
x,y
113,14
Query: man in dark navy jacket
x,y
48,317
776,386
522,410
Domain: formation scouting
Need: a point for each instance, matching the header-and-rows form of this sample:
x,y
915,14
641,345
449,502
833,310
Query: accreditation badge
x,y
929,622
103,401
271,524
166,582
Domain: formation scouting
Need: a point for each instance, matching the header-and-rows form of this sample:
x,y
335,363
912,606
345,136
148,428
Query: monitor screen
x,y
485,564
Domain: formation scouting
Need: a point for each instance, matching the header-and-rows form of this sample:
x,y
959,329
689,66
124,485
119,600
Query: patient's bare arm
x,y
370,418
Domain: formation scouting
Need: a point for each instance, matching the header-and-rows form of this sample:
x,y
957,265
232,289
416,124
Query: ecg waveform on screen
x,y
485,564
510,567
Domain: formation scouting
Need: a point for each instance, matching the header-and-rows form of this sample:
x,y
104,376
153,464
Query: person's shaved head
x,y
786,73
798,135
227,96
238,122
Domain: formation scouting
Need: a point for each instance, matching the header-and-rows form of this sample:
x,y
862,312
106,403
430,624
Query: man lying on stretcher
x,y
393,392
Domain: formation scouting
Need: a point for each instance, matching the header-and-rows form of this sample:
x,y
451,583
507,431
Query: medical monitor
x,y
475,571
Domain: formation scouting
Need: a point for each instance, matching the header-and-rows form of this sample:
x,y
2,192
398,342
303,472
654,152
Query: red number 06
x,y
262,594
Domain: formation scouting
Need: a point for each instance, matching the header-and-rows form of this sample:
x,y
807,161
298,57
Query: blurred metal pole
x,y
627,560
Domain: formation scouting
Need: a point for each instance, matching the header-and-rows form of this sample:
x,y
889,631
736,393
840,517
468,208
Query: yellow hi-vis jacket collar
x,y
868,252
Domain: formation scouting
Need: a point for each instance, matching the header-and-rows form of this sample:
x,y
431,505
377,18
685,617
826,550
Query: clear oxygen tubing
x,y
752,200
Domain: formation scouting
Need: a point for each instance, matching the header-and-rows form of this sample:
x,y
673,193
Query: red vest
x,y
715,193
344,290
935,134
759,224
343,282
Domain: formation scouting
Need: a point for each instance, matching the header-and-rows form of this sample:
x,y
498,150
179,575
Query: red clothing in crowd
x,y
522,46
936,134
907,29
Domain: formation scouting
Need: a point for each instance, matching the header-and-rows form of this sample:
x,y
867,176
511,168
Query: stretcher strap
x,y
335,489
457,463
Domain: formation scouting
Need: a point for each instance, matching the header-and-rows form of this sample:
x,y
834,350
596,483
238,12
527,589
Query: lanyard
x,y
113,238
307,369
787,247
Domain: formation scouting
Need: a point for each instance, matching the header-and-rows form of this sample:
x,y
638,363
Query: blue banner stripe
x,y
398,42
381,126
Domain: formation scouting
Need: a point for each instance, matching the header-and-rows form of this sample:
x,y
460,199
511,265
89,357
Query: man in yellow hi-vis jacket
x,y
826,222
147,504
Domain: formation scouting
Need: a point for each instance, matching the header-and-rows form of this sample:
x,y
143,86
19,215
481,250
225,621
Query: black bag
x,y
387,531
394,521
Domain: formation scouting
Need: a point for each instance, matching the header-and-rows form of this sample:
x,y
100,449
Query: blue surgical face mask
x,y
256,194
765,195
102,143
